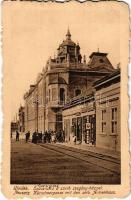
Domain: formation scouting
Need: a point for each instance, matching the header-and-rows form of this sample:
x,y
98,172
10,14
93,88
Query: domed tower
x,y
68,51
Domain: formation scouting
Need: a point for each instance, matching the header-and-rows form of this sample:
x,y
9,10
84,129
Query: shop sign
x,y
88,126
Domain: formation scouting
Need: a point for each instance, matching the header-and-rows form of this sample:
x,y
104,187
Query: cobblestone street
x,y
35,164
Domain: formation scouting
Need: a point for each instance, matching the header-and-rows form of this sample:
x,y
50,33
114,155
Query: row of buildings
x,y
81,98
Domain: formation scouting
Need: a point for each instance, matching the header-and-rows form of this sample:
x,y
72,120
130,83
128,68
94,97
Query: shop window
x,y
77,92
62,94
114,120
103,123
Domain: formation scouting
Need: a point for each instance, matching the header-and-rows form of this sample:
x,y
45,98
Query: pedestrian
x,y
74,139
53,137
34,137
37,138
46,136
40,136
17,136
27,136
43,137
49,136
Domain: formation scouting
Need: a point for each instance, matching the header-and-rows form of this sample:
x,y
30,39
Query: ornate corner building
x,y
65,79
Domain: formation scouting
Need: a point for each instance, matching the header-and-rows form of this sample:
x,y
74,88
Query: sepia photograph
x,y
63,68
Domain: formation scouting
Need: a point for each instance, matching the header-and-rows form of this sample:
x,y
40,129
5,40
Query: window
x,y
62,94
58,118
114,120
49,94
54,94
101,60
103,123
77,92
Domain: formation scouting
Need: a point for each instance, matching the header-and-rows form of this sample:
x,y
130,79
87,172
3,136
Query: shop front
x,y
79,123
84,129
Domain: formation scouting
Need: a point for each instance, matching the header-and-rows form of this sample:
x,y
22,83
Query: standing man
x,y
17,136
27,136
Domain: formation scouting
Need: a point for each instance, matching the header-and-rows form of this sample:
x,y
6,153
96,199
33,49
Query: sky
x,y
32,33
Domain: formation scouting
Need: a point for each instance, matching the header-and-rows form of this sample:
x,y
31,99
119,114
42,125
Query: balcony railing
x,y
56,103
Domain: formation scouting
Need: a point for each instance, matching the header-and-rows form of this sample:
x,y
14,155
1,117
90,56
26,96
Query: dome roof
x,y
68,42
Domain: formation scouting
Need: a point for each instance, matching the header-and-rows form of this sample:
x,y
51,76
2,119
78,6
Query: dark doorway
x,y
79,129
58,122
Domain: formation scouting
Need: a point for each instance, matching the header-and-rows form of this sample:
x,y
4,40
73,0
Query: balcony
x,y
56,104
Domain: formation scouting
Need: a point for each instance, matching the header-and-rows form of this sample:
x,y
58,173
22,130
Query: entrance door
x,y
67,129
58,122
79,129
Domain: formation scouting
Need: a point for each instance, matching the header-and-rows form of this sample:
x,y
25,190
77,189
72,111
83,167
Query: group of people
x,y
48,137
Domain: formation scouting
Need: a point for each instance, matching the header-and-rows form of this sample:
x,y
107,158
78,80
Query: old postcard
x,y
65,97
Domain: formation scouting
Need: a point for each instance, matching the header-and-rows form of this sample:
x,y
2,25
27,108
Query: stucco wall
x,y
107,99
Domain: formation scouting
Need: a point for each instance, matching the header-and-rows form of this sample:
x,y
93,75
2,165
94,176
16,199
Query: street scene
x,y
58,163
68,129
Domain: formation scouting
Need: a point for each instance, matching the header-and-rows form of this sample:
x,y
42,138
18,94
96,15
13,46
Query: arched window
x,y
62,94
77,92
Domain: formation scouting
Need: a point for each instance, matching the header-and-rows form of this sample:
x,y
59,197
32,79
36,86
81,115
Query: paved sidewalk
x,y
98,150
94,149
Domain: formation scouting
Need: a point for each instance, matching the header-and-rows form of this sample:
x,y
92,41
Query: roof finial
x,y
68,35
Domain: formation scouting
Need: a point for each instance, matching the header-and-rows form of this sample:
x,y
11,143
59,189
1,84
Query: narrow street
x,y
59,164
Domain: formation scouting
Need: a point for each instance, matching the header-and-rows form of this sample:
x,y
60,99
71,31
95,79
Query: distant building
x,y
64,78
21,115
31,109
14,126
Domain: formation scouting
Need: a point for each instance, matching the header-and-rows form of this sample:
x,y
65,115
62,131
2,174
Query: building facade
x,y
108,112
62,80
95,118
31,109
21,114
79,120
